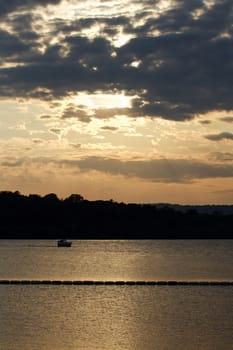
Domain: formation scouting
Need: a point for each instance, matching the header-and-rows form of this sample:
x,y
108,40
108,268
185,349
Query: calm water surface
x,y
70,317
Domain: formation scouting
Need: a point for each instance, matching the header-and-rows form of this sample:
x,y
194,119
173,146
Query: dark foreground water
x,y
114,317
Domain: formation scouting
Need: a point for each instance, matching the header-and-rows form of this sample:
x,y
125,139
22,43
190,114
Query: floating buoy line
x,y
117,283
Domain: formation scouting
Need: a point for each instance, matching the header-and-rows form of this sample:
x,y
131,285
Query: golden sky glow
x,y
111,99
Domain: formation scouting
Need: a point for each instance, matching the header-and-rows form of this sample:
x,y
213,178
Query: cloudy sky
x,y
111,99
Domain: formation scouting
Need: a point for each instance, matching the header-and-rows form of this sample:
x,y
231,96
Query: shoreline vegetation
x,y
48,217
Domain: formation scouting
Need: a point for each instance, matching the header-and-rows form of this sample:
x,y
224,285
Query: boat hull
x,y
64,244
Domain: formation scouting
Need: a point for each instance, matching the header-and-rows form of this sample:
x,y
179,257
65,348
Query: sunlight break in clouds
x,y
101,100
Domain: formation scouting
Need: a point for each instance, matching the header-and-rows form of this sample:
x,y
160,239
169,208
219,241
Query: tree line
x,y
48,217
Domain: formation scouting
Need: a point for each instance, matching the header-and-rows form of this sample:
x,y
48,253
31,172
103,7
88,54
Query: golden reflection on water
x,y
117,260
115,317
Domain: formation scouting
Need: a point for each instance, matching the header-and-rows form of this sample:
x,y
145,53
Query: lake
x,y
116,317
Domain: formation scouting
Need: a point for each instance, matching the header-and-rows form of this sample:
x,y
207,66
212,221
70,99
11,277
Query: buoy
x,y
118,283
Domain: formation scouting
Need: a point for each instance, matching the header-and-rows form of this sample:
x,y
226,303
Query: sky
x,y
123,100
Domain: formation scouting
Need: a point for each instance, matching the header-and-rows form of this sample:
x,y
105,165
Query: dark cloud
x,y
22,25
163,170
227,119
184,17
56,131
81,114
12,163
110,25
182,74
205,122
75,112
76,145
109,128
8,6
155,170
37,141
50,75
45,116
221,156
219,137
21,22
184,59
11,45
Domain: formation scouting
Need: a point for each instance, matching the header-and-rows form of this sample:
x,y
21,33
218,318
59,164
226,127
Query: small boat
x,y
64,243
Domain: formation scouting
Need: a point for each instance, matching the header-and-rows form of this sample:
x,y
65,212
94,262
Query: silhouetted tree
x,y
34,216
51,197
74,198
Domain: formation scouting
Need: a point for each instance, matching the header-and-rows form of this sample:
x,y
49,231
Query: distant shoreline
x,y
36,217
